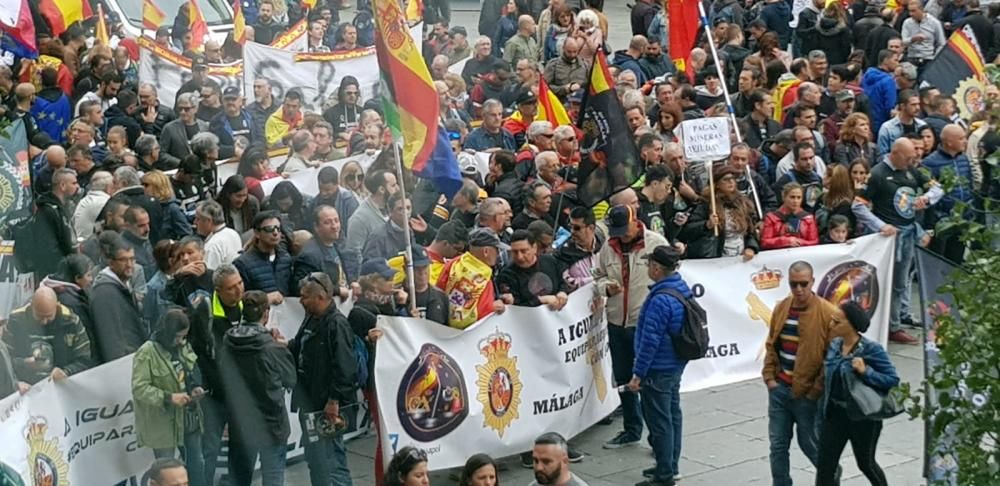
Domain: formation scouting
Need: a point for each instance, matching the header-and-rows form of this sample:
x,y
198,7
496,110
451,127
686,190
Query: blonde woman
x,y
855,141
157,185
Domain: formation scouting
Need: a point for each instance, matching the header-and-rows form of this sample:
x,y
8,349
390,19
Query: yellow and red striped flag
x,y
414,10
550,109
101,31
63,13
239,23
410,101
197,26
152,16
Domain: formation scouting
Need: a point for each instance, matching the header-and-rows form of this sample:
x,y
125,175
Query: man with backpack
x,y
661,353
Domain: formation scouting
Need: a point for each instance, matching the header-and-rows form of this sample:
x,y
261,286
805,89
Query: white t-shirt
x,y
223,246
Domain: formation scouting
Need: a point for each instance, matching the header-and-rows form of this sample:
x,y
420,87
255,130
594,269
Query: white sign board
x,y
705,139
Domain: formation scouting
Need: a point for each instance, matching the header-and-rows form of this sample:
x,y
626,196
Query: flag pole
x,y
729,104
410,285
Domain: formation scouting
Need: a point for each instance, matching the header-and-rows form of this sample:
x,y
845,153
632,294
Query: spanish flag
x,y
550,109
239,23
414,10
684,25
101,31
609,159
958,61
197,26
152,16
62,13
410,100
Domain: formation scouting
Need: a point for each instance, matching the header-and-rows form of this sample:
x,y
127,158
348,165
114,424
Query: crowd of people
x,y
138,246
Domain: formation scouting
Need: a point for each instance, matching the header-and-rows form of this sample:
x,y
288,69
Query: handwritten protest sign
x,y
705,139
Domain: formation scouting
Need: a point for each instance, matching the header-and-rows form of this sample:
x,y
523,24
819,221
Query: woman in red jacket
x,y
790,226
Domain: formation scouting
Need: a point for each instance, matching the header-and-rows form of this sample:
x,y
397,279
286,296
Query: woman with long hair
x,y
855,141
834,31
352,176
287,201
563,25
733,220
71,283
671,116
166,389
930,139
837,199
859,171
175,224
480,470
237,203
255,167
851,354
506,26
789,226
156,301
768,49
408,467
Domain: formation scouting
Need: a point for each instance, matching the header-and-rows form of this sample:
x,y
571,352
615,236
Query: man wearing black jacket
x,y
52,227
119,328
258,368
327,379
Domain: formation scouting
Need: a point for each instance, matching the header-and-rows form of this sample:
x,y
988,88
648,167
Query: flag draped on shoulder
x,y
684,24
550,109
152,16
18,28
959,62
63,13
609,158
410,100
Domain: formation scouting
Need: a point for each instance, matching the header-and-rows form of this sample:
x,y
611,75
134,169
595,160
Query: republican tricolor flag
x,y
152,16
18,27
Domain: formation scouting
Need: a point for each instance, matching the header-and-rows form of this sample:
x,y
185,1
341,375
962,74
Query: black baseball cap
x,y
199,62
231,92
420,258
619,219
667,256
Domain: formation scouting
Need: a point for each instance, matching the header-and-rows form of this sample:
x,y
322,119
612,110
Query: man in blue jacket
x,y
628,59
949,157
657,370
879,85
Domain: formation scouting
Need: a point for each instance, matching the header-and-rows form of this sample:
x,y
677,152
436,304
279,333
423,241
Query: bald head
x,y
44,305
638,43
903,154
56,156
953,139
526,24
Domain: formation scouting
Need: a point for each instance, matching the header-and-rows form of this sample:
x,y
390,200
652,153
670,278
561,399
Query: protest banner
x,y
739,297
495,386
169,70
15,180
15,287
705,139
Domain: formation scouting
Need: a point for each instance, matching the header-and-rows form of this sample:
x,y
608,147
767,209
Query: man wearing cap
x,y
431,302
622,276
517,124
844,106
565,74
199,74
458,47
657,370
232,123
468,281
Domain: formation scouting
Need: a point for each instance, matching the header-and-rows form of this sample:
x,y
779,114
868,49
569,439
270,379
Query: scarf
x,y
469,289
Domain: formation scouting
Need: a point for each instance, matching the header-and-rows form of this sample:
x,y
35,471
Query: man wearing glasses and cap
x,y
233,123
199,74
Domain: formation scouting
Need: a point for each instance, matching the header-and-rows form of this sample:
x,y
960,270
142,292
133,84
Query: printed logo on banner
x,y
766,279
8,476
432,398
499,382
45,460
851,281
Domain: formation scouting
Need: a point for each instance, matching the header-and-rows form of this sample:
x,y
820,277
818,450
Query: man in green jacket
x,y
46,339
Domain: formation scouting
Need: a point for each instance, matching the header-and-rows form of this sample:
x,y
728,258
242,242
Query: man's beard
x,y
541,478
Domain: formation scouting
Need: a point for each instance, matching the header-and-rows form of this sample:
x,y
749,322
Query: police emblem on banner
x,y
432,398
499,382
852,281
45,461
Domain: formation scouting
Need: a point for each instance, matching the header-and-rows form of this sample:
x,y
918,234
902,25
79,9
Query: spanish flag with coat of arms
x,y
410,100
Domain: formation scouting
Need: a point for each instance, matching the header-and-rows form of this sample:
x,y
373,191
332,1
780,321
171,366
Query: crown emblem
x,y
766,279
495,343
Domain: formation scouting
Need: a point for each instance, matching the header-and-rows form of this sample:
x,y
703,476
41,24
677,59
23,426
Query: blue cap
x,y
377,266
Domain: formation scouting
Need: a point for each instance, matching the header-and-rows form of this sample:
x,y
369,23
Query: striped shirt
x,y
788,345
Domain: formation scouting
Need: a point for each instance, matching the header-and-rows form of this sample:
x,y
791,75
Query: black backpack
x,y
692,342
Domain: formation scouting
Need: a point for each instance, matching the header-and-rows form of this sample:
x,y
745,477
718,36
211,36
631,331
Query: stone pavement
x,y
725,444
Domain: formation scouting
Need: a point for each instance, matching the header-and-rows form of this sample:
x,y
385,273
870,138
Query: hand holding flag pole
x,y
732,114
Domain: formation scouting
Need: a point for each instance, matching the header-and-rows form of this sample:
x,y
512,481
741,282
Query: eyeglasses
x,y
798,283
274,228
315,278
354,177
578,227
185,108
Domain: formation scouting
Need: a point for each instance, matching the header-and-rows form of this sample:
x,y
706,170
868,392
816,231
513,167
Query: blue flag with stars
x,y
52,117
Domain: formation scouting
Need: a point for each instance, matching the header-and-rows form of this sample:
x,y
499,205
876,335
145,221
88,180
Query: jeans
x,y
899,305
216,418
837,429
192,455
620,340
661,406
242,459
327,459
784,412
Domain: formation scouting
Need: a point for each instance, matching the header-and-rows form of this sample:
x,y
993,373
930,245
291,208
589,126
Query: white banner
x,y
739,298
82,430
494,386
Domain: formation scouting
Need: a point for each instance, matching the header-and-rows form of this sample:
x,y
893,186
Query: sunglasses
x,y
274,228
185,108
315,278
578,227
798,283
354,177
